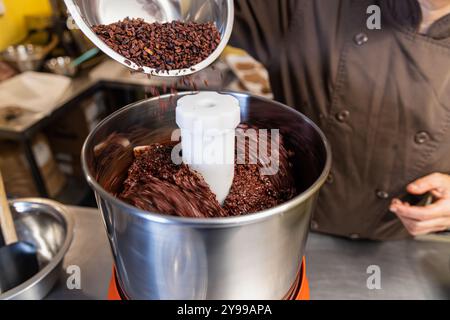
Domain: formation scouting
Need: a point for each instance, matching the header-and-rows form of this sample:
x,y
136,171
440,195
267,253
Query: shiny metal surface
x,y
25,57
49,226
409,269
336,267
250,257
62,66
87,13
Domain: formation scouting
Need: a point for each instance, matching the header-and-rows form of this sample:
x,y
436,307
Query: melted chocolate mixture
x,y
154,183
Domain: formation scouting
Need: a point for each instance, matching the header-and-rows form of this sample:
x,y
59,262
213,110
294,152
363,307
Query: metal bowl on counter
x,y
61,65
49,226
87,13
27,57
257,256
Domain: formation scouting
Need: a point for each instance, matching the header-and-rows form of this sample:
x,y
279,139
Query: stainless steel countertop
x,y
336,268
30,118
107,70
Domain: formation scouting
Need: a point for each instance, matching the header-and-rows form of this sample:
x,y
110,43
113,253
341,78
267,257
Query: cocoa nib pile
x,y
156,184
161,46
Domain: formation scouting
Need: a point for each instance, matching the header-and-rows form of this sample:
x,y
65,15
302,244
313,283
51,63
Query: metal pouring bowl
x,y
257,256
88,13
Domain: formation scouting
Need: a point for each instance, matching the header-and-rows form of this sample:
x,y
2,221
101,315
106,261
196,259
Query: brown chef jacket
x,y
382,97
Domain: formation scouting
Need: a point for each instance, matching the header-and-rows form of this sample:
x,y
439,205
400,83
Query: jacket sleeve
x,y
261,25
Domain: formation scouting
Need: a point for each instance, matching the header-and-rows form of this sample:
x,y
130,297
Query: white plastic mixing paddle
x,y
208,121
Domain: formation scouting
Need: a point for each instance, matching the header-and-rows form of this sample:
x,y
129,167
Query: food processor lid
x,y
208,111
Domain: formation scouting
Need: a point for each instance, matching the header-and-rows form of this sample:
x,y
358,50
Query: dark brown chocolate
x,y
161,46
156,184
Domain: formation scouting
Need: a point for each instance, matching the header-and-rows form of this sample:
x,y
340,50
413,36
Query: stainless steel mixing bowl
x,y
87,13
49,226
256,256
25,57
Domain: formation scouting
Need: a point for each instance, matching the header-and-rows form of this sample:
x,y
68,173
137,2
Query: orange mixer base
x,y
299,291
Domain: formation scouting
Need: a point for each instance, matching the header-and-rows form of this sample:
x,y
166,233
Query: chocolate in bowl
x,y
252,256
89,13
155,184
161,46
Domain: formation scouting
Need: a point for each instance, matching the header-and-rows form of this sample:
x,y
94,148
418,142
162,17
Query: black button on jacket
x,y
373,98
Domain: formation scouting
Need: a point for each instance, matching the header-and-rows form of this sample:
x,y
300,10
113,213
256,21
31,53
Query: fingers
x,y
436,181
418,228
432,218
423,220
439,209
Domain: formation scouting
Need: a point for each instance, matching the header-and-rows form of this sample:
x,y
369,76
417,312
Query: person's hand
x,y
429,219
